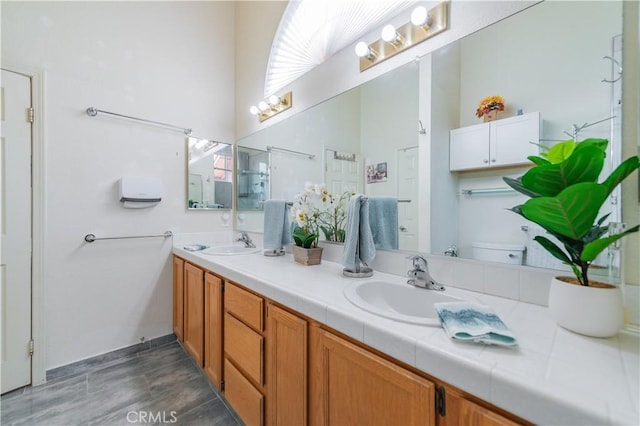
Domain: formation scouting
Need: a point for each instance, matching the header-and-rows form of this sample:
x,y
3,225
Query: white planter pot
x,y
592,311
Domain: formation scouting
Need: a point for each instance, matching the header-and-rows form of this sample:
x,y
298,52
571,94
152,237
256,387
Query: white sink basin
x,y
400,302
230,250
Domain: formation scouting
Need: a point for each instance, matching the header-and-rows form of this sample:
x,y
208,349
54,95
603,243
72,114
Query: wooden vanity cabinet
x,y
282,369
286,367
459,410
244,385
350,385
178,297
194,312
213,286
197,316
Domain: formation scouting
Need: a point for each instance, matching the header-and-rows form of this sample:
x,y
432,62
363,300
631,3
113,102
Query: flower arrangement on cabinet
x,y
488,104
316,209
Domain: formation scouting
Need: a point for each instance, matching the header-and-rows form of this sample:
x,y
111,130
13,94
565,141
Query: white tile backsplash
x,y
503,282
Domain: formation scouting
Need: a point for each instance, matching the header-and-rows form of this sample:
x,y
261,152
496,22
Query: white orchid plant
x,y
316,209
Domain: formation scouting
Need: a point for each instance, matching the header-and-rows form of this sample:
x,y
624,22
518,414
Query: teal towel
x,y
472,322
358,244
383,218
277,230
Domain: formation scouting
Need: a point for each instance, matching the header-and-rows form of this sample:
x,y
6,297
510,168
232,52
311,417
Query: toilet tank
x,y
498,252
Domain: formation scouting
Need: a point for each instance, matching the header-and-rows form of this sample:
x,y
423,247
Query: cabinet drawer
x,y
242,396
244,305
244,346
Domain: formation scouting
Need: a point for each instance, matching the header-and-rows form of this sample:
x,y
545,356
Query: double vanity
x,y
291,344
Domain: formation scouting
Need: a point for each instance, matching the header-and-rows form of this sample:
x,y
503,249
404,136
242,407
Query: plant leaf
x,y
621,172
517,185
560,151
584,165
594,248
553,249
596,142
538,161
571,213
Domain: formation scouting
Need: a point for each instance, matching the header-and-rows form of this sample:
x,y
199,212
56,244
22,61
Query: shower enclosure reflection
x,y
253,178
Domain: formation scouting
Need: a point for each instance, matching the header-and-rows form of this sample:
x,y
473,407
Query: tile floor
x,y
157,386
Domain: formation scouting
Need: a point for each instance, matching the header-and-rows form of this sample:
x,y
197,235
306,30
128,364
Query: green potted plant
x,y
565,200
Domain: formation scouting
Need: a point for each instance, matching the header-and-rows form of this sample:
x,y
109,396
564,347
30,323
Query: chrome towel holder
x,y
89,238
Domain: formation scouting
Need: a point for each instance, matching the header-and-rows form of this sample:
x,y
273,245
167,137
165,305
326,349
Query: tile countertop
x,y
552,377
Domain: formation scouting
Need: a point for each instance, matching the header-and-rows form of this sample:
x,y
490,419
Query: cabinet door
x,y
469,147
194,312
350,385
514,139
460,411
213,328
245,399
178,297
287,367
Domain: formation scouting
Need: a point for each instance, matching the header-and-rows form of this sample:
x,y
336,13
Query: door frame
x,y
38,224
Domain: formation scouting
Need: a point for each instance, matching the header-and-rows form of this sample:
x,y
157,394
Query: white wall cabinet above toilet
x,y
499,143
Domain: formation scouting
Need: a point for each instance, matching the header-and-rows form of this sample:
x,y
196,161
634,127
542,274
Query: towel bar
x,y
89,238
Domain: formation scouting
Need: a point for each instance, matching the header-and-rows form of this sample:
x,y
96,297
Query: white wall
x,y
157,60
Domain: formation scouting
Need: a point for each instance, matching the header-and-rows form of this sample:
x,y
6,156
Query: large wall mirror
x,y
403,119
209,174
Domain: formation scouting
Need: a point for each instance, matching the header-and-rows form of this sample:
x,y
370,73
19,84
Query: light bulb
x,y
389,33
263,106
254,110
420,17
274,100
362,50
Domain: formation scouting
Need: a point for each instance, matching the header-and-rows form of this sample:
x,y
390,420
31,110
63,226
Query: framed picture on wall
x,y
377,172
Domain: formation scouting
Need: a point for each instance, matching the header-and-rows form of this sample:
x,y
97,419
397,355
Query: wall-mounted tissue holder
x,y
139,192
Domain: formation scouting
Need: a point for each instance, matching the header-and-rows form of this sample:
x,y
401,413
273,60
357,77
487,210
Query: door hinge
x,y
441,398
222,287
222,385
30,115
31,347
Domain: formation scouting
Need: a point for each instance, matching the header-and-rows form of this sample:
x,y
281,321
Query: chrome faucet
x,y
452,251
244,237
420,276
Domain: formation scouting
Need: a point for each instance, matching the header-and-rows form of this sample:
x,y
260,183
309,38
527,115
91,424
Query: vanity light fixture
x,y
364,51
276,105
424,24
390,35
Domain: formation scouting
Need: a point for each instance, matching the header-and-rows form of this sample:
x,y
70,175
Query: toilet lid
x,y
498,246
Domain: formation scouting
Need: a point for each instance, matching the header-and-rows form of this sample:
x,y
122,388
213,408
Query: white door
x,y
15,230
408,199
343,172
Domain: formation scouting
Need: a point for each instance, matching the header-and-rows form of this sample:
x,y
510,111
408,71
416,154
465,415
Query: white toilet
x,y
498,252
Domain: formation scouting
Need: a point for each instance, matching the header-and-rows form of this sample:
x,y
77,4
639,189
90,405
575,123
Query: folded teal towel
x,y
472,322
277,229
358,243
383,218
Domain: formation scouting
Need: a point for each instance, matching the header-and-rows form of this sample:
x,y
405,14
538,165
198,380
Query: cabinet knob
x,y
403,228
485,161
493,160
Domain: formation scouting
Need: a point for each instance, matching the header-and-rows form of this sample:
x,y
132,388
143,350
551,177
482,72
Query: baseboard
x,y
81,367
